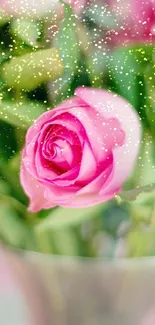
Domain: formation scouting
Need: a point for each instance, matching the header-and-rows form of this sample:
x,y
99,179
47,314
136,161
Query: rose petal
x,y
67,178
81,174
47,116
34,191
43,167
88,195
100,131
113,106
88,166
59,194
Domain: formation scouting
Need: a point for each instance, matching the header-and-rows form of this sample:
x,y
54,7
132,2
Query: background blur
x,y
105,44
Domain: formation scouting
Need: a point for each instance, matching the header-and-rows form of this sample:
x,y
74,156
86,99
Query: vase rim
x,y
116,262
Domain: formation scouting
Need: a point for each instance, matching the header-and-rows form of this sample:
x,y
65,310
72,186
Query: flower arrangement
x,y
77,127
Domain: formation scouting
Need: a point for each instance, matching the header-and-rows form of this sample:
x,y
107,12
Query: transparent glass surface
x,y
95,292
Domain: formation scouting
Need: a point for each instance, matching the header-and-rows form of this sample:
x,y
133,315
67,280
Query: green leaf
x,y
57,241
20,114
141,242
123,69
145,167
10,174
96,64
28,71
114,215
66,40
4,17
126,69
4,188
4,57
100,15
43,241
27,30
144,174
132,195
65,242
61,88
7,142
12,230
149,80
62,217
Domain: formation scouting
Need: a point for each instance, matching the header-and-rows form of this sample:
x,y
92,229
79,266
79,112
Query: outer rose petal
x,y
58,194
89,195
34,191
113,106
97,130
88,166
38,124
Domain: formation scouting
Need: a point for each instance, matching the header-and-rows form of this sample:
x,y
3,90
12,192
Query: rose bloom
x,y
80,153
135,21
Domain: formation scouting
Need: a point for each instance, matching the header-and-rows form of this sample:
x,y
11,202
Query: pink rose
x,y
136,21
80,153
